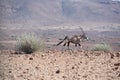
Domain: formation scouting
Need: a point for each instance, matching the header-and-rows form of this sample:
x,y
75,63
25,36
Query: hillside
x,y
46,12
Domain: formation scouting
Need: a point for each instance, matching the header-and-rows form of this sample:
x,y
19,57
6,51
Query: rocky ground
x,y
57,65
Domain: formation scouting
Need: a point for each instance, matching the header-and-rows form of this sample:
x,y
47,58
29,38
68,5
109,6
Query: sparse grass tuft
x,y
102,47
1,46
29,43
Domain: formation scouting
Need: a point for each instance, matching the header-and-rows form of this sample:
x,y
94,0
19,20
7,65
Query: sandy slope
x,y
57,65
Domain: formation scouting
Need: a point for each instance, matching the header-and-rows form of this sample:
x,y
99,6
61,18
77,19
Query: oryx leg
x,y
75,45
80,46
68,44
64,44
75,49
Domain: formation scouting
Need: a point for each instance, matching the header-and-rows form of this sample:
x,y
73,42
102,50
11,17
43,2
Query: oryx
x,y
76,39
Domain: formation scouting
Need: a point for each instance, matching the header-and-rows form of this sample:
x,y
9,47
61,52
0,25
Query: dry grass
x,y
29,43
102,47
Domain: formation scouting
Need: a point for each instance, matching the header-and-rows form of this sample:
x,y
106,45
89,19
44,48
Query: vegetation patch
x,y
102,47
29,43
1,46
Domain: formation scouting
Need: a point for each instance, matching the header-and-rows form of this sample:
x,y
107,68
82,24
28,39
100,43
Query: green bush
x,y
29,43
102,47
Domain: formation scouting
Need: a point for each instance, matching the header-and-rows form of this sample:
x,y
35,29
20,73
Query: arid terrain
x,y
50,21
58,65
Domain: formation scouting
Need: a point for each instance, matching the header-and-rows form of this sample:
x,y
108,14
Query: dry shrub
x,y
29,43
102,47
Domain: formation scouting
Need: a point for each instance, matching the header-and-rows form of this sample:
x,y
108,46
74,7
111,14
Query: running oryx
x,y
76,39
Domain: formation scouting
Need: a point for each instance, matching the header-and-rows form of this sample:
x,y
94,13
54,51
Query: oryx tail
x,y
62,41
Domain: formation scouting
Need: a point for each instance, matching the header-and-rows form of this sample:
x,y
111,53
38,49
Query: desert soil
x,y
58,65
